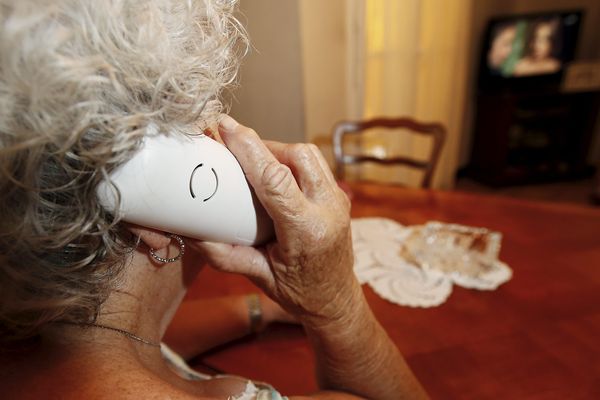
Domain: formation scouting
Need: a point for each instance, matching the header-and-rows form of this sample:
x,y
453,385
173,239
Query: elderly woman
x,y
84,304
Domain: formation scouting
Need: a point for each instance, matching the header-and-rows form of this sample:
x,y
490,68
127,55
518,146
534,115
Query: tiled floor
x,y
573,192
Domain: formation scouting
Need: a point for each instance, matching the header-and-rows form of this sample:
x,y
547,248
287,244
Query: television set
x,y
528,50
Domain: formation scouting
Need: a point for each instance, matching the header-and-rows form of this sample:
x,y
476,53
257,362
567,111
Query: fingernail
x,y
227,123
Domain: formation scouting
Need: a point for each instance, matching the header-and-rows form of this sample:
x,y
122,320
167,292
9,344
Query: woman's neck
x,y
142,305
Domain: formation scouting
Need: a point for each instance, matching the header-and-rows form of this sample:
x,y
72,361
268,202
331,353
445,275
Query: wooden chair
x,y
435,130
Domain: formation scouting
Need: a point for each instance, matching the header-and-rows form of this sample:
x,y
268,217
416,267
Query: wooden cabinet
x,y
525,137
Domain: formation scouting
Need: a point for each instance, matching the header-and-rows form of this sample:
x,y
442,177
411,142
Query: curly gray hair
x,y
80,81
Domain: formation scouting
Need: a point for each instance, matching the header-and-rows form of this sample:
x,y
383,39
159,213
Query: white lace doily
x,y
387,258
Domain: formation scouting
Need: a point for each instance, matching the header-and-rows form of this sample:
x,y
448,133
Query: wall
x,y
324,50
270,97
293,82
588,48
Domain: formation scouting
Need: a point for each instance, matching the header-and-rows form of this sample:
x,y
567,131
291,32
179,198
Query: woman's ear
x,y
152,238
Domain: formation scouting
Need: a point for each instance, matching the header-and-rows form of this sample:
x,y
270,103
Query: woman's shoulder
x,y
24,375
35,373
68,384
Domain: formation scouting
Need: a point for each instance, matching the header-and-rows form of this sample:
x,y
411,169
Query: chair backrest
x,y
435,130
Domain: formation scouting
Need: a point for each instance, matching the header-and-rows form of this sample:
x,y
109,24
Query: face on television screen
x,y
530,46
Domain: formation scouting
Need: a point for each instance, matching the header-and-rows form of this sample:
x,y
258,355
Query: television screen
x,y
530,45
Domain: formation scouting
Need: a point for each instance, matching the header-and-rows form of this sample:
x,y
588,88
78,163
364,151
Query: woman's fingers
x,y
305,166
324,165
244,260
273,181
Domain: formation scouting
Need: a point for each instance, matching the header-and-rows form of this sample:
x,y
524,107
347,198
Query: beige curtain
x,y
415,63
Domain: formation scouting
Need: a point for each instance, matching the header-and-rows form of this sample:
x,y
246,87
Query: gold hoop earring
x,y
172,259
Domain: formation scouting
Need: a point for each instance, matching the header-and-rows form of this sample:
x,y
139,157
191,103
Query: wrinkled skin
x,y
307,269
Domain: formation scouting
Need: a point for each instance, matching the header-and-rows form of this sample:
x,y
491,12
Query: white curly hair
x,y
80,82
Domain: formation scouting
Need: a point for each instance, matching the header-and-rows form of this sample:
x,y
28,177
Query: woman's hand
x,y
308,268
